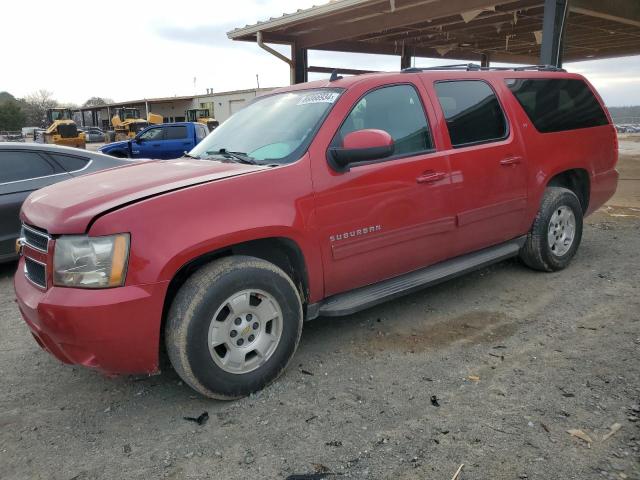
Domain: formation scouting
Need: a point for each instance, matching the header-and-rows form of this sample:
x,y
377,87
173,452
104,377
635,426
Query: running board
x,y
365,297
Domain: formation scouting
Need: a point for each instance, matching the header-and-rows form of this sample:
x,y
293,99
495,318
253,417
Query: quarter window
x,y
16,166
201,132
472,112
396,110
70,163
175,133
554,105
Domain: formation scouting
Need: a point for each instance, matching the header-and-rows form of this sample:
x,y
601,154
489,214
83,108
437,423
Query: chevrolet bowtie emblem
x,y
19,244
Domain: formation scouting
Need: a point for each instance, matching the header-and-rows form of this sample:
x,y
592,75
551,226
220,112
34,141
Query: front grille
x,y
35,238
36,272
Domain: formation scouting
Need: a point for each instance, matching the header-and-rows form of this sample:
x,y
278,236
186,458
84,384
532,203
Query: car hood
x,y
110,146
70,206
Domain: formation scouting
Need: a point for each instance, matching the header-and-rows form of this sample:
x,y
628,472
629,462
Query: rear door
x,y
21,172
488,164
176,141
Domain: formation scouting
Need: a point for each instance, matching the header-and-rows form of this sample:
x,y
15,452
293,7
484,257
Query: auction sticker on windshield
x,y
322,97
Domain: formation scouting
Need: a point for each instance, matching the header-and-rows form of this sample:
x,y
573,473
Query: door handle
x,y
430,177
509,161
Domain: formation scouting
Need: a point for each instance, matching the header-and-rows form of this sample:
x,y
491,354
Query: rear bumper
x,y
603,186
114,331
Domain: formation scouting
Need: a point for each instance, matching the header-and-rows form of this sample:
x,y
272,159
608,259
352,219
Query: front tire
x,y
233,327
556,232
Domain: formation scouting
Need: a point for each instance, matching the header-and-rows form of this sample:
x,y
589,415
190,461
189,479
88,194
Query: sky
x,y
143,49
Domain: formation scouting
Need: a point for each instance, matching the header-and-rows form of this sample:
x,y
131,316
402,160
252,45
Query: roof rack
x,y
474,67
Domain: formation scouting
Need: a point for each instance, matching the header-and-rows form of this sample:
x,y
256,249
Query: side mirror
x,y
361,146
138,139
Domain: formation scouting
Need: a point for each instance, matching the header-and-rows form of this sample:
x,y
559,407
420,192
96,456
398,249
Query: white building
x,y
221,106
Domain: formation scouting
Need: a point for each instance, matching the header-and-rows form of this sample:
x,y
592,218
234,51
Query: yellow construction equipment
x,y
62,129
201,115
127,122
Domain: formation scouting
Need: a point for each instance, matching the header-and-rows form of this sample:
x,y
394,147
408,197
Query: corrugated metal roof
x,y
505,30
298,15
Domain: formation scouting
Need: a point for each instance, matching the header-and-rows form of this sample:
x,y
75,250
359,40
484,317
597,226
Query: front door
x,y
488,164
148,144
390,216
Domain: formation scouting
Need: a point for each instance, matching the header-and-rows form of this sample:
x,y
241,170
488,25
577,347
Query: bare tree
x,y
36,105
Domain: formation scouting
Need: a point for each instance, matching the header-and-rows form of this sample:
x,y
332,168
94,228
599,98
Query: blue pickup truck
x,y
164,141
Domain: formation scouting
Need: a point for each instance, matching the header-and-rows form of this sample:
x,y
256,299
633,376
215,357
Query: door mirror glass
x,y
361,146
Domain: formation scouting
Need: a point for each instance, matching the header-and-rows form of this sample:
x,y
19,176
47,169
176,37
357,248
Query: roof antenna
x,y
334,76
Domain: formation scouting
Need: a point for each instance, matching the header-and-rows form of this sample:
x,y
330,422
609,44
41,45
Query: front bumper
x,y
115,330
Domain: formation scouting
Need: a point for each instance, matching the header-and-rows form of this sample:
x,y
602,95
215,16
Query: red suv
x,y
319,199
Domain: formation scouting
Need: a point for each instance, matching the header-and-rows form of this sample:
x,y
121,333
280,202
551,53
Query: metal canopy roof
x,y
506,30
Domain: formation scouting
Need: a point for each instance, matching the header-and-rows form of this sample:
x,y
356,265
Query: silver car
x,y
25,167
93,134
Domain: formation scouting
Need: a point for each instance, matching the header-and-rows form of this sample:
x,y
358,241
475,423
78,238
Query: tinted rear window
x,y
472,111
175,133
555,105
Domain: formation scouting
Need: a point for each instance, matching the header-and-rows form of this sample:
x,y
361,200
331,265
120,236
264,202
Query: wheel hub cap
x,y
562,229
245,331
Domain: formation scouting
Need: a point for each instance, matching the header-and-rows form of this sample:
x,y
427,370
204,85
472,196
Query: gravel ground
x,y
514,358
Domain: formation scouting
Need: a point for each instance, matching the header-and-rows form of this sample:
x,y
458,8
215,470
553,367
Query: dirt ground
x,y
512,358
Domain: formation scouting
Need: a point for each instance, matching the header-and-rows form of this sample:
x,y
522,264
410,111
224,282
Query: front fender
x,y
172,229
115,146
226,242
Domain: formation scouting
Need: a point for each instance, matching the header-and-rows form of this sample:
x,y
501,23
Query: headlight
x,y
90,262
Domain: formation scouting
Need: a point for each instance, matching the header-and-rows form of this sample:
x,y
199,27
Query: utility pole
x,y
258,81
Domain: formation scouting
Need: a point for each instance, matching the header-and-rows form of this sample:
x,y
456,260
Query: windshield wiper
x,y
238,156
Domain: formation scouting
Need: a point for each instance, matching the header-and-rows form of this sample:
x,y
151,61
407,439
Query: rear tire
x,y
233,327
556,232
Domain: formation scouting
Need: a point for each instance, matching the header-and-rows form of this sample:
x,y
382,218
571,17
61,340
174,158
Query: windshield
x,y
126,113
60,115
276,128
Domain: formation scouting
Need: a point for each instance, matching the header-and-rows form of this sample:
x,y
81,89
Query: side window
x,y
17,165
554,105
396,110
472,112
70,163
175,133
152,134
201,132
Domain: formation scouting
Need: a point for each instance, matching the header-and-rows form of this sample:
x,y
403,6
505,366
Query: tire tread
x,y
182,311
534,252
